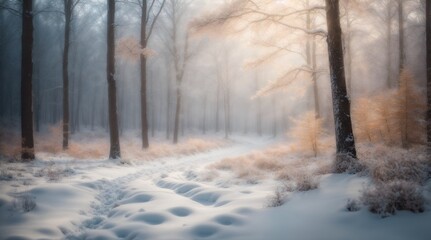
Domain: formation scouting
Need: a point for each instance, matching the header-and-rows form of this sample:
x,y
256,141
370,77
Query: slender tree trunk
x,y
168,107
115,151
217,114
153,108
314,78
401,34
259,108
274,116
389,48
68,16
177,114
79,98
204,115
144,117
428,42
226,111
27,143
311,59
38,102
345,140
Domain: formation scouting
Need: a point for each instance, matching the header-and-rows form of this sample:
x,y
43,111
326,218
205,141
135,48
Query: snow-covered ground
x,y
181,198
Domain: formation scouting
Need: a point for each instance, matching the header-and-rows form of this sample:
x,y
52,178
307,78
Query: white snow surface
x,y
168,199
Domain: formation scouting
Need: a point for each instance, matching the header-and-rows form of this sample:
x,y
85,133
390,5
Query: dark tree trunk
x,y
401,34
144,117
68,16
27,151
428,36
114,152
341,106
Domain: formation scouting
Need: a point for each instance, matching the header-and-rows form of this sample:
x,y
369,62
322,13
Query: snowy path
x,y
163,184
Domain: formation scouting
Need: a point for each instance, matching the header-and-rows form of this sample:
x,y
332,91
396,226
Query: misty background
x,y
222,78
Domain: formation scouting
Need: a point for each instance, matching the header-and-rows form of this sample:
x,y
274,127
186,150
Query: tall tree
x,y
177,44
345,140
114,151
401,35
428,49
147,25
27,142
69,5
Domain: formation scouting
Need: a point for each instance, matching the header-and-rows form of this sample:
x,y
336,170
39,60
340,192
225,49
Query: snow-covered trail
x,y
170,179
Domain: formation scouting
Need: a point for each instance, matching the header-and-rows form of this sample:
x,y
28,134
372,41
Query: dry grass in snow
x,y
278,162
96,146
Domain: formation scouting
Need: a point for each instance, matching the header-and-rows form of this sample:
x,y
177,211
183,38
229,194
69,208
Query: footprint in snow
x,y
180,211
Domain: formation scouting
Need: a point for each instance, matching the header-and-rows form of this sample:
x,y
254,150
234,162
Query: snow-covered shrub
x,y
386,198
278,198
54,174
5,175
389,163
346,163
24,202
305,182
353,205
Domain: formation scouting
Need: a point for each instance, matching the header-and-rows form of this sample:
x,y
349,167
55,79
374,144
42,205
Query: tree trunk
x,y
27,143
114,152
79,98
144,117
389,47
314,78
311,59
274,116
259,109
68,15
345,140
217,113
177,113
347,41
168,107
401,34
428,42
204,114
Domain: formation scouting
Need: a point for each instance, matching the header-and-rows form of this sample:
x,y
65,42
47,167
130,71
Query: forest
x,y
215,119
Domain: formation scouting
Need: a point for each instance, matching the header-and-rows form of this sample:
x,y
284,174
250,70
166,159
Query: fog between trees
x,y
234,67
